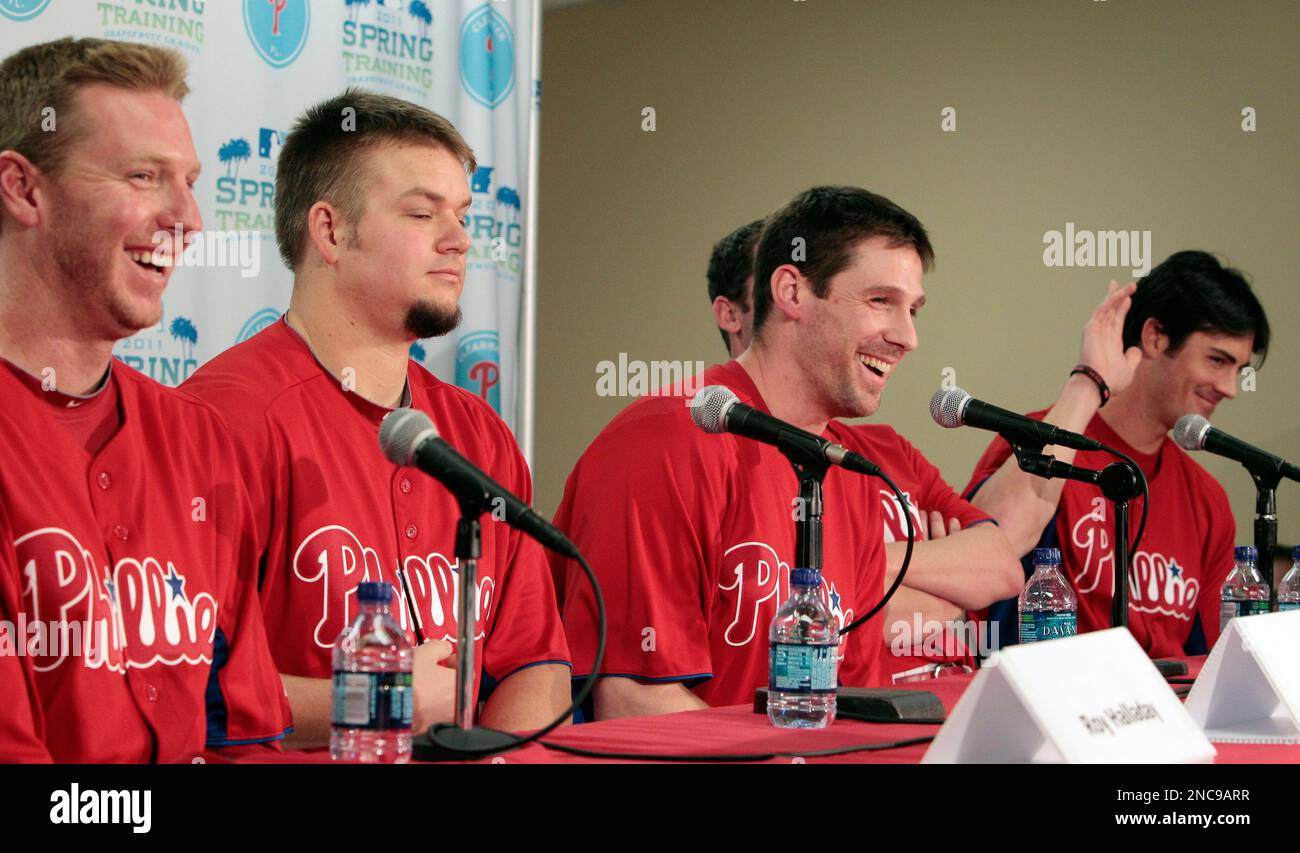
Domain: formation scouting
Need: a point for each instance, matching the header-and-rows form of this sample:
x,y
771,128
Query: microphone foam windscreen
x,y
401,433
709,407
1189,432
947,405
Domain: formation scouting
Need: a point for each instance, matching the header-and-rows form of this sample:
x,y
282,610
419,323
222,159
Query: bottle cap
x,y
375,593
1050,556
1295,554
1246,552
805,577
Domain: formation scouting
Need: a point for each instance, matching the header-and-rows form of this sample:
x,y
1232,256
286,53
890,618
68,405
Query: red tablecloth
x,y
737,729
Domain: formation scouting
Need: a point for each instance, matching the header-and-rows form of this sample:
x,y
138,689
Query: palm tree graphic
x,y
183,330
420,11
233,153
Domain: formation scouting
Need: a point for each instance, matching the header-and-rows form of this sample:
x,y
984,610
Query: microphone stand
x,y
871,704
462,740
1119,484
1266,483
808,524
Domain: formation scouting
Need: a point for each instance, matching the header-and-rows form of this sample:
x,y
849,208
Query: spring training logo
x,y
487,56
277,29
175,24
245,191
389,44
495,224
22,10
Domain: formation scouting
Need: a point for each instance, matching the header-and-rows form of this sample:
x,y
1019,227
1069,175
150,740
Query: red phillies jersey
x,y
927,492
333,511
138,550
692,537
1183,558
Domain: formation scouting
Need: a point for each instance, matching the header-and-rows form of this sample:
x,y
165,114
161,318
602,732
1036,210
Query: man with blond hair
x,y
129,625
370,217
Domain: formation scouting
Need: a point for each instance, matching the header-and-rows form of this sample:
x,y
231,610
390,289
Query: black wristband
x,y
1102,387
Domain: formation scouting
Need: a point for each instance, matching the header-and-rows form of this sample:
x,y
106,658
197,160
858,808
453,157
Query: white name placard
x,y
1091,698
1249,689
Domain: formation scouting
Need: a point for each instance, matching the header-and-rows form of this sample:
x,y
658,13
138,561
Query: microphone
x,y
1193,432
716,409
408,437
953,407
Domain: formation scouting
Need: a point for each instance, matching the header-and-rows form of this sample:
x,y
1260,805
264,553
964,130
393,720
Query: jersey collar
x,y
366,406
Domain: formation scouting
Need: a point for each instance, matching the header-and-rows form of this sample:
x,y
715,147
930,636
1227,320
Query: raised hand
x,y
1103,339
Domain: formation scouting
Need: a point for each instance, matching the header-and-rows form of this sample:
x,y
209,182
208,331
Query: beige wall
x,y
1112,115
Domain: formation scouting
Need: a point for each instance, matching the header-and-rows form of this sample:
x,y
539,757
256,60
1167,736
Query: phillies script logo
x,y
754,582
335,561
136,615
895,525
1157,584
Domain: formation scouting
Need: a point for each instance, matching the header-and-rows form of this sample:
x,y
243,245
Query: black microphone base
x,y
1170,668
448,742
877,705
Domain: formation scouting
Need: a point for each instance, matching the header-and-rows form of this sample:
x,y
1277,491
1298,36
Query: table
x,y
737,729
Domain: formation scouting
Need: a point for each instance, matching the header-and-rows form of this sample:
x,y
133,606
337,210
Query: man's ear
x,y
727,315
20,181
326,231
1154,341
788,291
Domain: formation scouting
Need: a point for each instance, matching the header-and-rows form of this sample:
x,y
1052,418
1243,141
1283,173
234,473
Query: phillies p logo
x,y
478,366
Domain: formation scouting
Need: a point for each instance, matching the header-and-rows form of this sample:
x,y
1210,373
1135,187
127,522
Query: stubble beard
x,y
90,281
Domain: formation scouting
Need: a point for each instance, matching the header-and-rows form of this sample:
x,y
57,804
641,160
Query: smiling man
x,y
692,534
960,562
1170,345
121,504
370,217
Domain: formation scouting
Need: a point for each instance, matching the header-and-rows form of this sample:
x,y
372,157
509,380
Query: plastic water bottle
x,y
1288,590
1244,593
803,666
1047,605
372,684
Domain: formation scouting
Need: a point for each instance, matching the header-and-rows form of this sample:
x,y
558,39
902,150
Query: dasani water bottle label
x,y
372,700
1047,626
801,668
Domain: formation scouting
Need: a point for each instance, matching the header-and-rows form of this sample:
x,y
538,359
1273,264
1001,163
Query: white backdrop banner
x,y
257,64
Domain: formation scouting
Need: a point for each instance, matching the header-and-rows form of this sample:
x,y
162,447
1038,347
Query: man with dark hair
x,y
731,286
693,534
1170,345
938,589
371,218
122,512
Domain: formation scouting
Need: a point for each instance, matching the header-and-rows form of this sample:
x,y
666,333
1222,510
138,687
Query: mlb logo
x,y
269,142
481,181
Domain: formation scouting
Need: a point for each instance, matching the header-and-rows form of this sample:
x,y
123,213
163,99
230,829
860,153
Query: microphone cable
x,y
907,555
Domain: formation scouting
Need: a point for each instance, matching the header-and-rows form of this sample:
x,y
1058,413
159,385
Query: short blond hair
x,y
322,160
49,75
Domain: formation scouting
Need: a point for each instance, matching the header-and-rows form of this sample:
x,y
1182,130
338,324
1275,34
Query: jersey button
x,y
411,530
151,693
120,532
405,486
104,480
